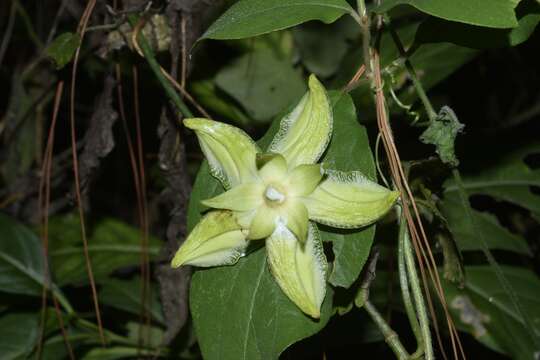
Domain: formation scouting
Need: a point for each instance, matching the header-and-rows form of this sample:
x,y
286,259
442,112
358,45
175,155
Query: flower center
x,y
273,196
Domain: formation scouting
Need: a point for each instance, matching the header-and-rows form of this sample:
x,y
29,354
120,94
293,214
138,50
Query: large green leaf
x,y
21,259
263,83
111,245
496,236
248,18
18,335
126,295
239,312
508,179
489,13
438,30
349,150
486,312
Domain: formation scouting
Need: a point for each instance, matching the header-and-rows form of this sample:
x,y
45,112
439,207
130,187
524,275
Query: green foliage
x,y
18,334
489,13
497,237
261,75
127,295
63,48
438,30
22,270
322,47
111,245
486,312
508,179
248,18
239,312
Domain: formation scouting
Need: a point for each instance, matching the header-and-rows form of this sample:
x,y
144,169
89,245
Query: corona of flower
x,y
276,195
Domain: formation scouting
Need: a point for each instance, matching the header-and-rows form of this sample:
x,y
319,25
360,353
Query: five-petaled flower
x,y
276,195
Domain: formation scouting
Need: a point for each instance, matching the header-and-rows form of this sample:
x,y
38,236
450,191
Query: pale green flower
x,y
273,195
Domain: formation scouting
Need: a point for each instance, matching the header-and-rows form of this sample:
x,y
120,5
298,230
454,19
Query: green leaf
x,y
248,18
348,150
489,13
508,179
18,335
111,245
262,83
21,259
239,312
488,314
322,47
442,133
126,295
496,236
438,30
63,48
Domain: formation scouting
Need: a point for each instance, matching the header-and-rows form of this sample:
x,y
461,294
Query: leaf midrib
x,y
23,269
252,306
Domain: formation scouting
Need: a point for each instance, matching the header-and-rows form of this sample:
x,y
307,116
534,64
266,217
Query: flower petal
x,y
297,218
229,150
272,167
216,240
242,197
263,223
349,200
305,133
303,179
299,269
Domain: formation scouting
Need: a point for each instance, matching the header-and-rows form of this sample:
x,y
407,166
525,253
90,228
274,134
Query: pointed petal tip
x,y
178,259
196,123
313,82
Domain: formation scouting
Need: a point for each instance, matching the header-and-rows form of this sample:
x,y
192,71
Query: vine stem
x,y
405,291
390,336
423,335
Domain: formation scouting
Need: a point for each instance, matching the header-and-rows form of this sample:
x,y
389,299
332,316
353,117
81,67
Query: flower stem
x,y
390,336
